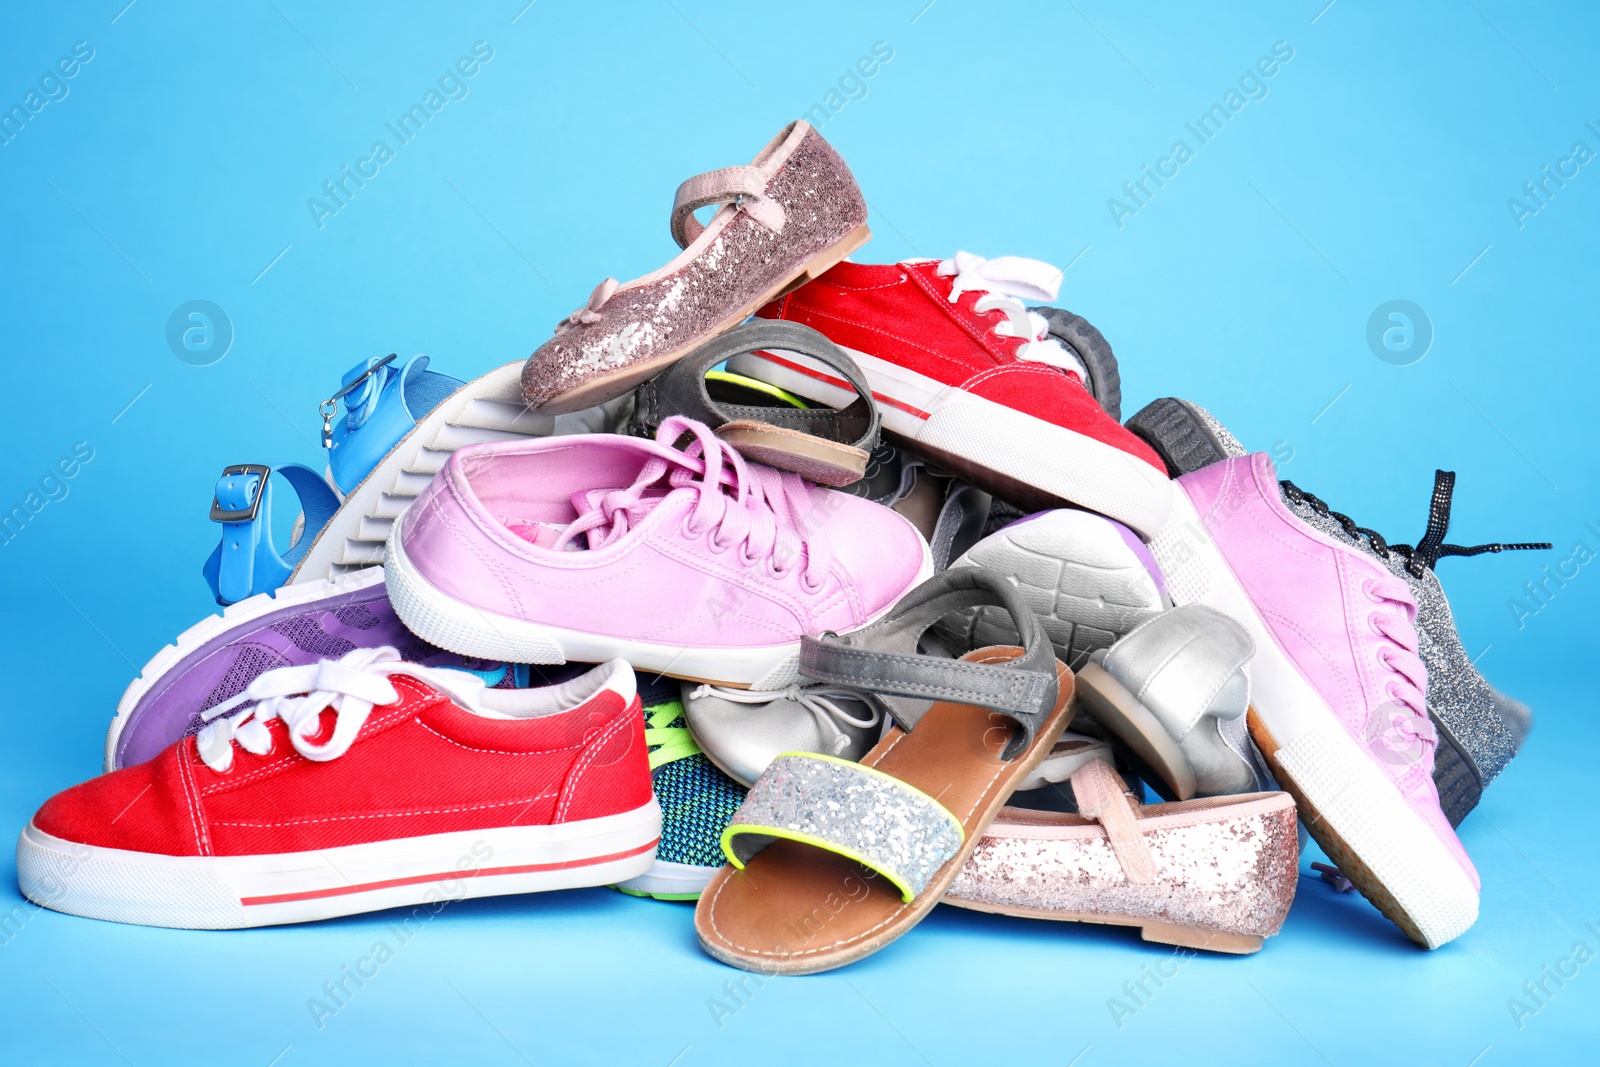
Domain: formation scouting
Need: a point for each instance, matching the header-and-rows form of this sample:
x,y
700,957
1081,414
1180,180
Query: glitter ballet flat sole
x,y
1222,876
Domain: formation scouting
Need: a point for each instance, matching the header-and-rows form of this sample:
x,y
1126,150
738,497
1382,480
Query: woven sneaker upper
x,y
697,799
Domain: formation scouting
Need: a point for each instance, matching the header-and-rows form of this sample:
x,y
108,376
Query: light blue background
x,y
1378,167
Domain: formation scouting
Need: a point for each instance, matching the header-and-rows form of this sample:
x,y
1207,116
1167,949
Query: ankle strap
x,y
1103,796
247,561
744,187
881,659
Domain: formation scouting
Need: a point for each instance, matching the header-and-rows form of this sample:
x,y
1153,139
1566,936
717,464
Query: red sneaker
x,y
386,785
967,377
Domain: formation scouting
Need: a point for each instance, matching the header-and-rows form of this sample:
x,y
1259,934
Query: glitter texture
x,y
896,828
675,309
1225,864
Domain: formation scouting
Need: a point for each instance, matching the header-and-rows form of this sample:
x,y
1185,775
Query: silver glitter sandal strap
x,y
881,659
857,812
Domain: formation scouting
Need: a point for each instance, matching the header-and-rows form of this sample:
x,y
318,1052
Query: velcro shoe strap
x,y
998,688
1102,796
857,812
881,658
745,187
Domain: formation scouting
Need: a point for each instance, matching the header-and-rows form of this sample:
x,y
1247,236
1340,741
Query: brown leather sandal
x,y
831,861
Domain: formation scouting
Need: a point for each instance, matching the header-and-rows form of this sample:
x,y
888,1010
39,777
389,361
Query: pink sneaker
x,y
1338,706
692,563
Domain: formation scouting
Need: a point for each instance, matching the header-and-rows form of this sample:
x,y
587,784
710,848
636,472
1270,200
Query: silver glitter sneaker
x,y
1480,729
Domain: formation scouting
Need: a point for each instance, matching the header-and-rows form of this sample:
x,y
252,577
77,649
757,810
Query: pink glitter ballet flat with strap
x,y
1216,874
785,218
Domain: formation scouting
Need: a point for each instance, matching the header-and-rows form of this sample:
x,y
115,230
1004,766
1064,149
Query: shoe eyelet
x,y
686,529
747,559
713,545
807,585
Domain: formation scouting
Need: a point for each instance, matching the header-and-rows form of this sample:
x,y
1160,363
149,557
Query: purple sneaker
x,y
220,656
1338,688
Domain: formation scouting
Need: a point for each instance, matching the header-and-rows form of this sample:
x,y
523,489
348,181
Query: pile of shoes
x,y
816,591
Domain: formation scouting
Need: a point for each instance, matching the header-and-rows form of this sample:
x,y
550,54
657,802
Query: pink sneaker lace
x,y
1408,685
769,515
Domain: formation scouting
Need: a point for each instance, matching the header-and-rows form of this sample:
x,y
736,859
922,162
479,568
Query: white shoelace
x,y
350,686
1006,282
818,700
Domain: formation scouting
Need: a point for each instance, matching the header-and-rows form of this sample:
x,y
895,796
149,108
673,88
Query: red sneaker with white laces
x,y
967,377
352,785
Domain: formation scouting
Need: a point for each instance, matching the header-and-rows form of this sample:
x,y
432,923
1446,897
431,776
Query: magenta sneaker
x,y
692,563
1338,706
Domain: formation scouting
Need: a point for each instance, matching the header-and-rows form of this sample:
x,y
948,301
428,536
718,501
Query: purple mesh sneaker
x,y
217,658
1338,705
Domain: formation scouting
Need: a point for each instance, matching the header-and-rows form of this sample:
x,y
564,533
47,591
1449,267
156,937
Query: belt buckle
x,y
247,514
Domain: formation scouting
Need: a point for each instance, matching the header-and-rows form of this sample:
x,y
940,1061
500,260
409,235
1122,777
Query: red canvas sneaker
x,y
353,785
967,377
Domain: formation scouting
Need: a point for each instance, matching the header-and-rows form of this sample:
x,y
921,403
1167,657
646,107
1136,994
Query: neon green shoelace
x,y
667,743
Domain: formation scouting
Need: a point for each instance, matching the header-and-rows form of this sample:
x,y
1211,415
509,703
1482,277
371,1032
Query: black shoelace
x,y
1426,553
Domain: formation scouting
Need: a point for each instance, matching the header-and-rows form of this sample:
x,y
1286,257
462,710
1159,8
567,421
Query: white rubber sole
x,y
470,631
670,881
1346,802
230,892
1085,584
981,440
1076,750
488,408
234,616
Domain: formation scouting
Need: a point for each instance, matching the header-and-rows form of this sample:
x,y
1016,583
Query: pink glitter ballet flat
x,y
785,218
1216,874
